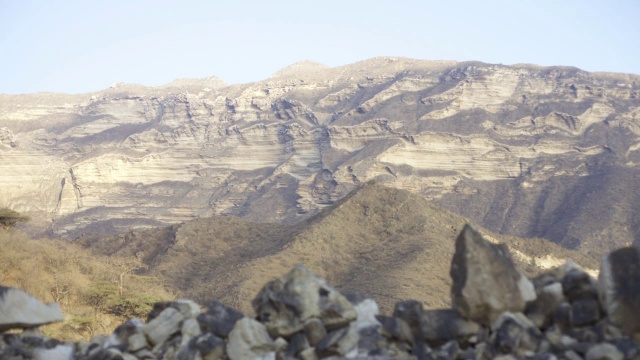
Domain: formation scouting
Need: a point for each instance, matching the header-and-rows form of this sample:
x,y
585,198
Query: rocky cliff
x,y
538,151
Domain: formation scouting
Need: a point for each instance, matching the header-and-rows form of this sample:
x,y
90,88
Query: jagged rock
x,y
565,308
308,354
366,312
207,346
485,281
580,348
188,308
483,351
280,345
585,312
629,348
441,326
562,316
571,355
604,351
619,288
13,346
339,342
543,356
577,285
189,330
164,325
285,304
365,326
137,342
19,310
144,354
297,344
540,311
219,319
99,340
514,333
395,328
585,334
106,354
553,336
314,331
371,342
412,312
249,339
448,350
122,334
170,349
505,357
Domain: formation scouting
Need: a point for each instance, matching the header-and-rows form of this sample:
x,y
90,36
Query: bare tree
x,y
123,267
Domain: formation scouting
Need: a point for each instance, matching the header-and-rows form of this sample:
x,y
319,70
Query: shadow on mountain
x,y
383,242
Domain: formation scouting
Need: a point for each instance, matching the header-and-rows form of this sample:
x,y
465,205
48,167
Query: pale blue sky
x,y
80,46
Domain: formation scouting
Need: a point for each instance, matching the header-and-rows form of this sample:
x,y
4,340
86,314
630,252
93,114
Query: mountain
x,y
523,150
384,242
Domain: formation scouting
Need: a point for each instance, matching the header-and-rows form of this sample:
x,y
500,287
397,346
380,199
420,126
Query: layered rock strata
x,y
523,143
570,315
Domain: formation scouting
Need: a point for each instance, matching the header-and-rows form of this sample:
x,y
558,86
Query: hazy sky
x,y
81,46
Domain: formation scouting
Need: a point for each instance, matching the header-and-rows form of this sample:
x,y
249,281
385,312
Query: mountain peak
x,y
299,69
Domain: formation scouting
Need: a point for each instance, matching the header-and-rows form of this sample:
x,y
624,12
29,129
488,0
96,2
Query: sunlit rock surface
x,y
512,139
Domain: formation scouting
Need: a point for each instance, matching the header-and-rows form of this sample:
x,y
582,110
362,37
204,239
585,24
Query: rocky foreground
x,y
497,313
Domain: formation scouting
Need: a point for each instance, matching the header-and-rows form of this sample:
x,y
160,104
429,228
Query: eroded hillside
x,y
548,152
388,243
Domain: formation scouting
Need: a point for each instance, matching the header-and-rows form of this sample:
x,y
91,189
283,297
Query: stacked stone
x,y
497,314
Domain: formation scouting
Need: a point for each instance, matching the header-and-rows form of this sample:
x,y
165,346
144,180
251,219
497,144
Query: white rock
x,y
366,312
249,340
19,310
312,296
517,317
60,352
604,351
166,323
190,329
188,308
554,289
137,341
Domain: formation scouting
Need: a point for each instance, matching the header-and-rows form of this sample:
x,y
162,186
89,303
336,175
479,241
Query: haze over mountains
x,y
530,151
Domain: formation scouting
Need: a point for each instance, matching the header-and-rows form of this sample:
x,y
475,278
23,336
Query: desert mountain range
x,y
523,150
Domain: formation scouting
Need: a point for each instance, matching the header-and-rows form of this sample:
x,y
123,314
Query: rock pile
x,y
497,314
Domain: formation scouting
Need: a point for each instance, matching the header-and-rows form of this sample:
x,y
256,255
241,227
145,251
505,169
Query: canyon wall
x,y
522,149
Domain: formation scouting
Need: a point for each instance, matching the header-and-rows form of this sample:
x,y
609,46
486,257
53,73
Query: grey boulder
x,y
19,310
485,280
285,304
619,288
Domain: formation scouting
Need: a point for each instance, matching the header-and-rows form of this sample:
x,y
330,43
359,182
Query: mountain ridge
x,y
283,148
384,242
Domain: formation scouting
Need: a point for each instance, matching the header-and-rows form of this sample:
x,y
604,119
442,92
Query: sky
x,y
81,46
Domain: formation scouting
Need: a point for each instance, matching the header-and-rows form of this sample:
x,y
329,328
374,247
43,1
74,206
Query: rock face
x,y
619,287
19,310
522,143
298,319
485,281
286,304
